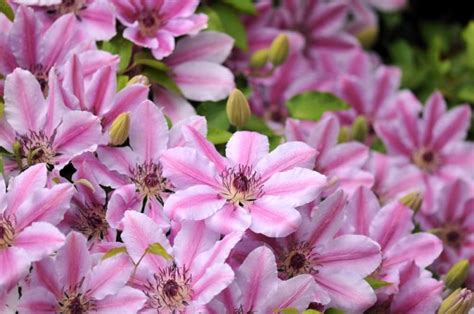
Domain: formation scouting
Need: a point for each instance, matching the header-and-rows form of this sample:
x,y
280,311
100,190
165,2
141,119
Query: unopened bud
x,y
360,129
238,109
118,133
139,79
279,50
368,36
458,302
259,58
344,135
413,200
457,274
2,109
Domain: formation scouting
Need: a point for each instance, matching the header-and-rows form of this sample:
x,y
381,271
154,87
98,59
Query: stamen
x,y
426,160
149,180
92,222
242,185
149,22
7,232
299,260
35,148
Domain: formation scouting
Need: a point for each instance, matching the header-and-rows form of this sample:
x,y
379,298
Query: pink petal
x,y
100,90
109,276
127,12
80,131
148,132
120,159
345,155
435,107
55,102
349,179
215,279
198,141
126,301
353,92
246,148
206,46
324,134
185,167
203,81
274,217
14,264
387,80
25,107
134,35
183,8
99,20
298,185
285,157
45,275
452,126
195,203
297,292
38,300
93,60
39,240
174,106
230,218
122,200
7,59
24,36
73,261
391,137
362,207
165,46
177,138
74,80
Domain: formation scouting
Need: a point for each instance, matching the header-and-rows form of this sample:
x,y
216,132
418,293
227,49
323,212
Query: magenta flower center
x,y
149,180
74,302
242,185
170,291
92,222
452,236
7,232
299,260
149,23
68,6
35,148
426,160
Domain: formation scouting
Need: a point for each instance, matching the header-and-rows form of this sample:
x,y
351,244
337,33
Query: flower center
x,y
74,302
41,74
170,291
149,180
7,232
299,260
68,6
426,160
149,23
34,148
451,235
242,185
92,222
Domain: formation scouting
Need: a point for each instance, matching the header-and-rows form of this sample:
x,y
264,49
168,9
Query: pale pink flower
x,y
28,213
74,283
155,24
43,130
251,188
196,273
258,289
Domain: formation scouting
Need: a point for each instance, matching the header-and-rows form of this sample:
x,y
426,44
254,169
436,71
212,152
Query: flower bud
x,y
2,109
413,200
279,49
259,58
368,35
457,274
118,133
139,79
85,183
360,129
238,109
458,302
344,135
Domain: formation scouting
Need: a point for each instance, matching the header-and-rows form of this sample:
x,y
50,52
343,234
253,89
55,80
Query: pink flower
x,y
36,130
73,283
94,19
140,174
251,188
196,68
155,24
28,213
341,163
338,264
433,143
391,227
453,223
196,274
258,289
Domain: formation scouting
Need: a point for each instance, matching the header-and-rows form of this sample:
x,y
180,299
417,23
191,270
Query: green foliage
x,y
7,10
215,113
244,6
120,46
376,283
114,251
333,311
158,249
218,136
161,78
312,105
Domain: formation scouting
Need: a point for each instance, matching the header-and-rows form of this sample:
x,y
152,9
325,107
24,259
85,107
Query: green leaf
x,y
378,146
155,64
122,81
6,9
333,311
312,105
468,36
258,125
311,311
215,114
218,136
122,47
230,20
162,78
376,283
2,109
288,310
158,249
1,164
114,251
214,22
245,6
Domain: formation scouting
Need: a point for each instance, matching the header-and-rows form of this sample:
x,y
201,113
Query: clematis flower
x,y
340,162
338,264
155,24
434,143
94,19
195,66
391,227
142,179
251,188
36,130
28,213
73,283
257,288
196,274
35,47
453,224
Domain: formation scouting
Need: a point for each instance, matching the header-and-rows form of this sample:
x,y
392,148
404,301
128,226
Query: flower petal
x,y
14,264
122,200
297,292
100,90
38,300
362,207
197,140
24,36
246,148
126,301
109,276
452,126
120,159
230,218
215,279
